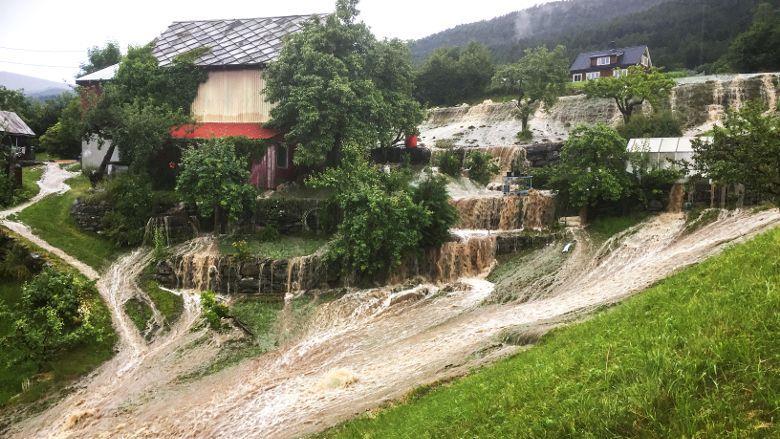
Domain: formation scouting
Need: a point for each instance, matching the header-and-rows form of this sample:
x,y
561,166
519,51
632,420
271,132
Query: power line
x,y
38,65
41,50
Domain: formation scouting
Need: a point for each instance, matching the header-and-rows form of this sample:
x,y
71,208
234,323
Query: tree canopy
x,y
99,58
539,77
746,150
451,76
334,83
758,48
632,90
592,168
213,178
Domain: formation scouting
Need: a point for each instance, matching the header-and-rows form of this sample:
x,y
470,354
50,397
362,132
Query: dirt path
x,y
52,182
369,346
132,372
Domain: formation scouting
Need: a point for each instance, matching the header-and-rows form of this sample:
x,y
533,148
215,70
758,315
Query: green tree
x,y
758,48
99,58
140,105
660,124
381,222
746,150
214,179
432,195
53,314
63,138
592,169
453,75
481,165
16,101
334,84
632,90
539,77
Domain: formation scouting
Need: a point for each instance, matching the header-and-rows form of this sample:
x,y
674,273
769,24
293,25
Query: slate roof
x,y
629,56
99,76
11,123
234,42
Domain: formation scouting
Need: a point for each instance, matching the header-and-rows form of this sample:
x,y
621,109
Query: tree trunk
x,y
583,215
101,170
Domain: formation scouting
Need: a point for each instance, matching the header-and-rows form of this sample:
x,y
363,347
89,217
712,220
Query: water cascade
x,y
490,213
676,198
538,210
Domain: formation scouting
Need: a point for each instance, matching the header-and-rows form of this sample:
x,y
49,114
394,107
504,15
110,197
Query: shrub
x,y
449,162
54,313
431,193
381,221
213,310
482,168
130,199
663,124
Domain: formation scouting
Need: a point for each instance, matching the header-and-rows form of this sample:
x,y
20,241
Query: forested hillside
x,y
680,33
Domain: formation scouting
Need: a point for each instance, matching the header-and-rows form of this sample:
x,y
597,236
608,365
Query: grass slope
x,y
50,219
283,247
694,356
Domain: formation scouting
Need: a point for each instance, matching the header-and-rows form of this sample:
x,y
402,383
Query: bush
x,y
449,162
431,193
381,222
213,310
53,314
664,124
131,205
482,168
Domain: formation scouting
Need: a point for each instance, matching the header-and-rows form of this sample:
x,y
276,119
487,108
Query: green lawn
x,y
50,219
170,305
283,247
697,355
603,228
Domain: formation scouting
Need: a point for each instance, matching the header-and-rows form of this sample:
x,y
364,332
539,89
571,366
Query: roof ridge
x,y
252,18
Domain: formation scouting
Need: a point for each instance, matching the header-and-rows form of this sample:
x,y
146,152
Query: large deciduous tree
x,y
334,83
746,150
539,77
632,90
140,105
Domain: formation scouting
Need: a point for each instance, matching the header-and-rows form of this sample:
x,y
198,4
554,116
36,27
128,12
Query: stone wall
x,y
89,216
543,154
257,276
293,215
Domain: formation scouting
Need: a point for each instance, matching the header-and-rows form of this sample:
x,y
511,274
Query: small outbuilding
x,y
664,151
15,134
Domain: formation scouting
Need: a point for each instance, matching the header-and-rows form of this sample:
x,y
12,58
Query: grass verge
x,y
694,356
284,247
603,228
50,219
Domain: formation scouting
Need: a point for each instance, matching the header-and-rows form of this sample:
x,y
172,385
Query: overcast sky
x,y
58,32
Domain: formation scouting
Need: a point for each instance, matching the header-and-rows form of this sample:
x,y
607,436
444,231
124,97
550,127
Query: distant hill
x,y
680,33
33,87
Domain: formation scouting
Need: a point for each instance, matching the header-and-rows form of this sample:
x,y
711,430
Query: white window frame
x,y
577,77
617,73
593,75
603,60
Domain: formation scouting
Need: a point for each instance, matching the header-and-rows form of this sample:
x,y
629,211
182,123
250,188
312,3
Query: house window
x,y
282,157
593,75
577,77
617,73
604,61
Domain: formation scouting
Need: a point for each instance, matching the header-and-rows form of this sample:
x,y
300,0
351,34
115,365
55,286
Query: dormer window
x,y
603,61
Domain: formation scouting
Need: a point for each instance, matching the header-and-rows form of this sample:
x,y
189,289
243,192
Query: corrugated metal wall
x,y
232,96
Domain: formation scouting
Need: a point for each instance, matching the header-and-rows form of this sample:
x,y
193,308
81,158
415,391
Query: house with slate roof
x,y
612,62
231,102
